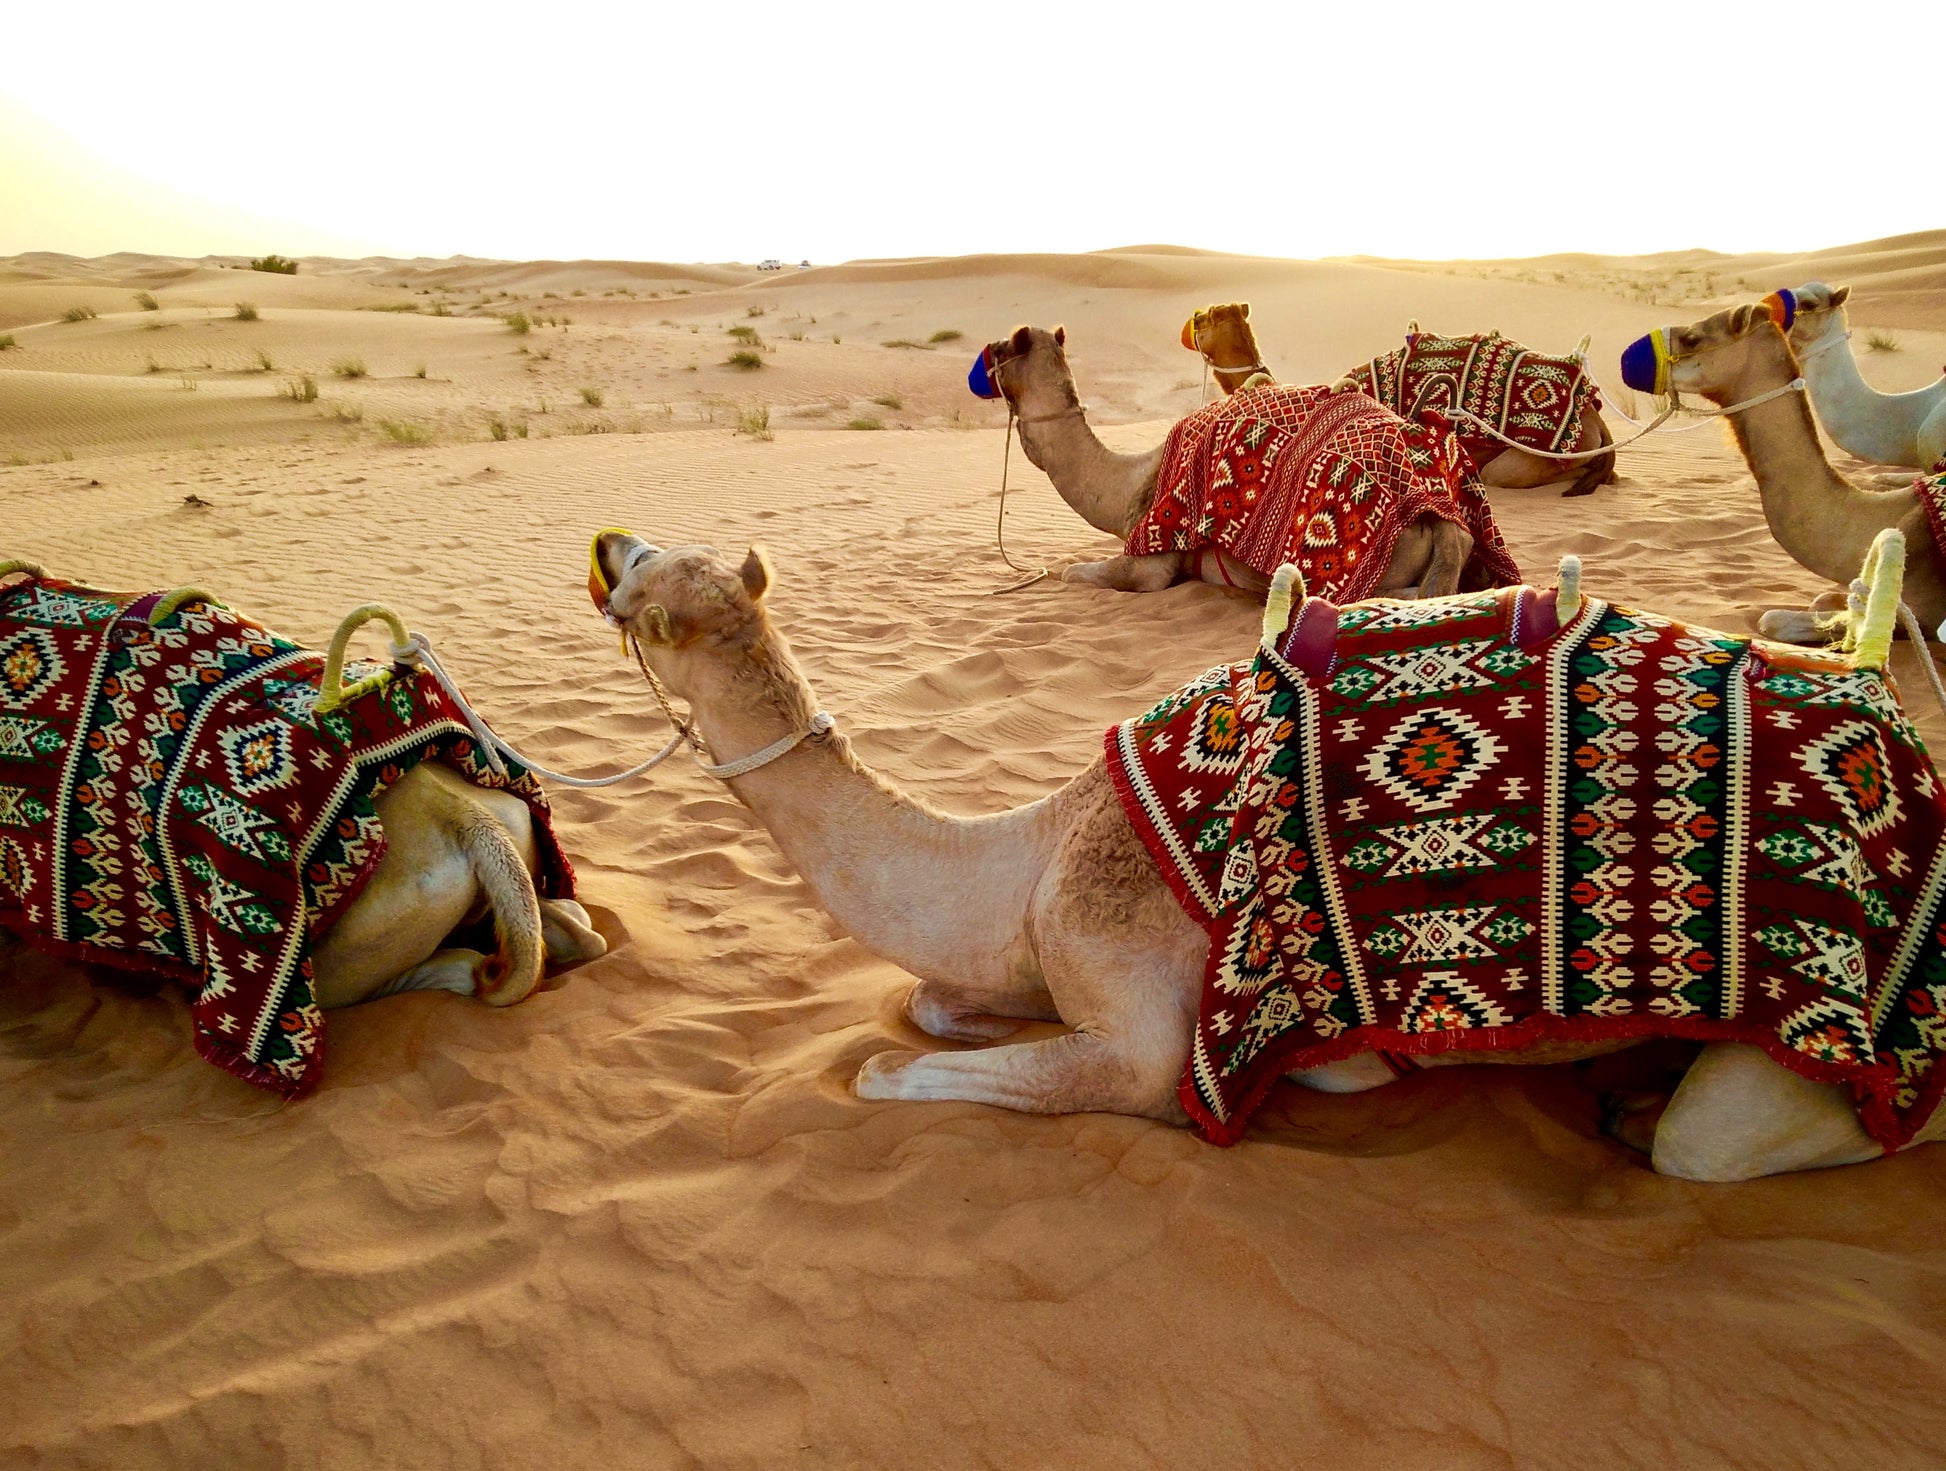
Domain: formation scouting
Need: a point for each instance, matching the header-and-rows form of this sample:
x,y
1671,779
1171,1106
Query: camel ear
x,y
656,627
1745,317
1246,311
1060,336
1838,296
755,573
1023,339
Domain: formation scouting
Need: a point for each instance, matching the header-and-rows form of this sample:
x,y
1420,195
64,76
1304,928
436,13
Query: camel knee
x,y
938,1011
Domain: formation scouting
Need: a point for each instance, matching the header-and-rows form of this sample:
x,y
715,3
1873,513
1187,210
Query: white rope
x,y
1910,621
821,724
418,652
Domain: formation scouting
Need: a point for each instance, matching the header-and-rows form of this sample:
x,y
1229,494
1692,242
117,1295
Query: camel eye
x,y
1688,339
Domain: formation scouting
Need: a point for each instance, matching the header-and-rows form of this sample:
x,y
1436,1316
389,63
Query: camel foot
x,y
933,1011
1127,574
1799,626
1631,1118
1073,1073
1578,488
568,933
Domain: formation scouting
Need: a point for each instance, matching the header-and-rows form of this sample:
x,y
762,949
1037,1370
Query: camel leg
x,y
1737,1115
568,934
1127,574
965,1014
1812,626
1452,544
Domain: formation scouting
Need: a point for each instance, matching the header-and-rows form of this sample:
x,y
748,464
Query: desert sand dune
x,y
639,1220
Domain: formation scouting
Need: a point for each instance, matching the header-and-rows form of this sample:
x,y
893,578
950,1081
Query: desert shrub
x,y
277,265
245,311
264,364
946,334
147,302
349,367
78,314
1881,342
903,342
7,341
744,334
590,396
755,311
866,422
889,401
348,413
519,323
440,309
419,371
153,367
745,359
755,422
497,426
404,431
394,306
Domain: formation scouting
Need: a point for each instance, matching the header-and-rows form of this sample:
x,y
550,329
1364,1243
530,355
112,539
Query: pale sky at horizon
x,y
846,130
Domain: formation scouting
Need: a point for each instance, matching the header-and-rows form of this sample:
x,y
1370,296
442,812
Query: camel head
x,y
684,605
1820,314
1223,335
1721,358
1029,370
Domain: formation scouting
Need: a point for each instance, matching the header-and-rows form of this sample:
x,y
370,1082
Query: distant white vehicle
x,y
770,265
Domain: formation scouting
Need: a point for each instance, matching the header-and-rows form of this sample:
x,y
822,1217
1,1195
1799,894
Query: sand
x,y
639,1220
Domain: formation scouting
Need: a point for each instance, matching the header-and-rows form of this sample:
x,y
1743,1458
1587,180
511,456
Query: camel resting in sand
x,y
1887,428
1740,359
1451,542
205,852
1222,334
1056,911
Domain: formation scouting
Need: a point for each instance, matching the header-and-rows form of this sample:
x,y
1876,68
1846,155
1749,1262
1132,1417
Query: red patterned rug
x,y
171,800
1532,398
1449,825
1328,481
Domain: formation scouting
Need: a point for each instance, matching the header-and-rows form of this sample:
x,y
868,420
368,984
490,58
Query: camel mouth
x,y
979,379
608,565
1645,363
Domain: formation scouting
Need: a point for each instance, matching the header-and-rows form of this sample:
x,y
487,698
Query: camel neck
x,y
1863,421
1824,521
936,895
1109,491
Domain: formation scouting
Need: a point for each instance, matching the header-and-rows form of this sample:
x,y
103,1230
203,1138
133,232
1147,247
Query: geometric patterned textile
x,y
172,801
1326,480
1449,825
1930,489
1532,398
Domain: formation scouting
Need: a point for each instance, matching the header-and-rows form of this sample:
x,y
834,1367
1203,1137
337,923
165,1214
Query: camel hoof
x,y
1794,626
1631,1118
879,1077
569,933
937,1018
1574,490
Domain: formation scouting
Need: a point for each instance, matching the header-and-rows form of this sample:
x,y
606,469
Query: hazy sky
x,y
838,129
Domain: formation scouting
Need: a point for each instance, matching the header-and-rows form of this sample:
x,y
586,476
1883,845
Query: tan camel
x,y
1886,428
454,853
1824,521
1110,491
1228,343
1055,911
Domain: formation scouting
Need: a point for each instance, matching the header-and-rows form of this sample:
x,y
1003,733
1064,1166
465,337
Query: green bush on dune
x,y
276,265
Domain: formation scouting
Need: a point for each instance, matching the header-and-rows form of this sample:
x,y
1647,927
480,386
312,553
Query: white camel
x,y
1886,428
454,852
1055,911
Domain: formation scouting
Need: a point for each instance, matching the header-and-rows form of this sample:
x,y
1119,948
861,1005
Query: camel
x,y
1223,336
1055,911
1886,428
454,852
1740,358
1111,491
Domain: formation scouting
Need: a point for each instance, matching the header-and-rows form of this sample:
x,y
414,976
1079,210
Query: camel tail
x,y
520,952
1600,470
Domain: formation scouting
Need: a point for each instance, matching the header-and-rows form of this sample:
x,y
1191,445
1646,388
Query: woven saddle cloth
x,y
172,800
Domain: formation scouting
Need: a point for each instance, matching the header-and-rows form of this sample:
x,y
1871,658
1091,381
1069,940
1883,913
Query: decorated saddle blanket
x,y
1930,488
1438,826
1534,399
171,800
1327,481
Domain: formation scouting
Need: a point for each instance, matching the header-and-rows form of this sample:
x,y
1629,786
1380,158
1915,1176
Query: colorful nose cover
x,y
1645,362
980,378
